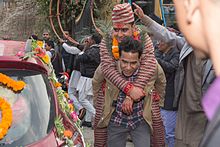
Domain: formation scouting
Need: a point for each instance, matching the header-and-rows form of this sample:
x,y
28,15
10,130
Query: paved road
x,y
89,138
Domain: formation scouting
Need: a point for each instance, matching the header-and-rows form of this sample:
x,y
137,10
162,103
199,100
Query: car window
x,y
33,108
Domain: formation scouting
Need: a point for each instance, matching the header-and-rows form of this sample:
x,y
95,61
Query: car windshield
x,y
33,108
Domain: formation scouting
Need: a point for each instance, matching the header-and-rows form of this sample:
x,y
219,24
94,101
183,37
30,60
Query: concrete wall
x,y
19,19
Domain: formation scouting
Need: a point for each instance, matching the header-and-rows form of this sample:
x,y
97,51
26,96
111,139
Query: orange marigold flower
x,y
68,133
115,49
40,44
66,95
46,59
57,84
10,83
116,55
71,107
6,117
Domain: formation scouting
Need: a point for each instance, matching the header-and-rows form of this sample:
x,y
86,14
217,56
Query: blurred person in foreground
x,y
205,15
194,75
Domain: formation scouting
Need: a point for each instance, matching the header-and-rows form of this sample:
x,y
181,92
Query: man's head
x,y
130,51
123,21
190,23
93,39
96,38
164,47
49,45
46,35
210,10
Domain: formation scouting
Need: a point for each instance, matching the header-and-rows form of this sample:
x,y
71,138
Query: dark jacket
x,y
56,61
89,61
169,62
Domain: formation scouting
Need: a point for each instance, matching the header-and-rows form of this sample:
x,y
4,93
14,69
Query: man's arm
x,y
71,49
159,32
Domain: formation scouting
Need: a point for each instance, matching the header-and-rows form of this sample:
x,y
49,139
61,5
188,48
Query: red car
x,y
35,107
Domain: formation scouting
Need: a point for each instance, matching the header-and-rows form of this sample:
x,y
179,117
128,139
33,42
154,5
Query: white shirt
x,y
71,49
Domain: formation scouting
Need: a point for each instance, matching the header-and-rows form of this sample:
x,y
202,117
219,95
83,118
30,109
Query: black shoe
x,y
82,113
87,124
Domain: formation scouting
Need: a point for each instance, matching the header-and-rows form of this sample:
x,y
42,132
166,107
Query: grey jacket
x,y
161,33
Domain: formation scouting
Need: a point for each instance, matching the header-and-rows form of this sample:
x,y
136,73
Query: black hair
x,y
50,43
129,44
33,37
96,37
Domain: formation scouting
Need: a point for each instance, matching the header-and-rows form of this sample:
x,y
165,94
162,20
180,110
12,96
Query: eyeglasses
x,y
45,34
123,30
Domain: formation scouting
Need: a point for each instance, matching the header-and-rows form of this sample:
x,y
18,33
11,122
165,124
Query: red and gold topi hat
x,y
122,13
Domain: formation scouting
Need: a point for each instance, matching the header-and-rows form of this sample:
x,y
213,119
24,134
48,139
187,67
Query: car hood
x,y
11,48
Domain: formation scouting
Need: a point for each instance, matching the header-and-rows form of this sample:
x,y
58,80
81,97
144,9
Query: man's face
x,y
210,10
47,47
163,47
129,62
189,21
87,42
46,36
121,30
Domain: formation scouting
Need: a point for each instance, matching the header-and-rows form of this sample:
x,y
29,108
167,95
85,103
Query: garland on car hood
x,y
5,107
65,105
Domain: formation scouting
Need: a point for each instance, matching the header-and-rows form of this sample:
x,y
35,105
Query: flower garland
x,y
38,51
6,117
115,49
10,83
63,99
5,107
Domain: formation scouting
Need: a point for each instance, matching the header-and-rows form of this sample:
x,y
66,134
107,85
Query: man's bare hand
x,y
61,41
136,93
138,11
127,106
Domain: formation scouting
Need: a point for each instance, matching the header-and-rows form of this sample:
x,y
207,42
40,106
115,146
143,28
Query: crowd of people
x,y
124,84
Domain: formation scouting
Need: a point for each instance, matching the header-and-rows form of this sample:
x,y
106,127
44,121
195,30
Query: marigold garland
x,y
115,49
39,52
10,83
6,117
68,133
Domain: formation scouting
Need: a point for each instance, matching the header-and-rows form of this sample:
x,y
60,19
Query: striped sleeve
x,y
148,64
108,67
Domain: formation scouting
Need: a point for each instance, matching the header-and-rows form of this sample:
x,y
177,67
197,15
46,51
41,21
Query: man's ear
x,y
190,6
